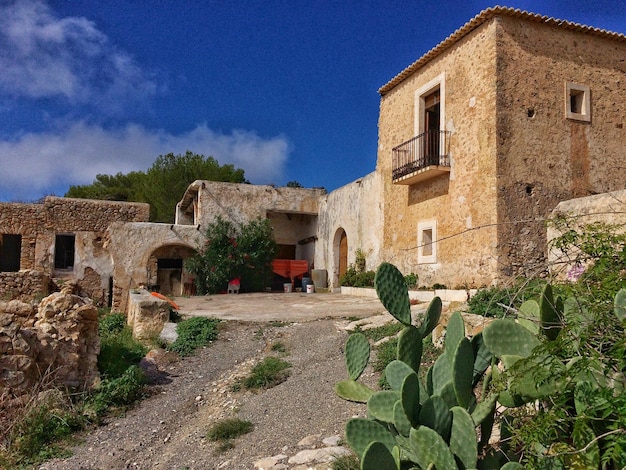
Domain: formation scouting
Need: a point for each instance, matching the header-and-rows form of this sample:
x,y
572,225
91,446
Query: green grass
x,y
226,430
229,429
380,332
194,333
268,373
279,347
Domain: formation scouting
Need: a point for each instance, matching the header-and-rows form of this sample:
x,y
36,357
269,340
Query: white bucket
x,y
287,287
310,288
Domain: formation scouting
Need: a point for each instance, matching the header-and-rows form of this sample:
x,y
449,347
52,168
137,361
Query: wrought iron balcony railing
x,y
431,148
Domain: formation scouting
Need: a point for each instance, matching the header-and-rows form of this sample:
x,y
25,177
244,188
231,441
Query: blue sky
x,y
286,90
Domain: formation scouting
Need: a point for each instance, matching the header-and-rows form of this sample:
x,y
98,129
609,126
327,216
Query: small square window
x,y
426,242
577,102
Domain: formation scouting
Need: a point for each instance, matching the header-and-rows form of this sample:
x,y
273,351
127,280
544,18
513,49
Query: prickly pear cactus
x,y
416,424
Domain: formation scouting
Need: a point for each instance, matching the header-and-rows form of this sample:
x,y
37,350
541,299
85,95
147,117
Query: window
x,y
64,252
10,251
577,102
426,242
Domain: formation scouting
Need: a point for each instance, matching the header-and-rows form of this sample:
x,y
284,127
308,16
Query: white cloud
x,y
34,164
44,56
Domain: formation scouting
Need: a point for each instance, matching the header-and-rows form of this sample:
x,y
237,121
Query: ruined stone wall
x,y
607,208
543,157
357,209
463,203
24,285
60,347
25,220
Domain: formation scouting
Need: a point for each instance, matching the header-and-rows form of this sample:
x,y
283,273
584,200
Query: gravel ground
x,y
167,430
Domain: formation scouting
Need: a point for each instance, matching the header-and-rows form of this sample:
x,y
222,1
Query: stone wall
x,y
147,314
608,208
544,157
60,346
23,285
87,220
463,203
514,152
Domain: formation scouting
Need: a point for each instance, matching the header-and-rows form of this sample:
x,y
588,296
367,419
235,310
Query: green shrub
x,y
354,278
411,280
194,333
268,373
119,392
501,302
111,324
118,349
234,251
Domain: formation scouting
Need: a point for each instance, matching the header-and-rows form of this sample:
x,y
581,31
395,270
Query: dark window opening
x,y
10,251
64,252
431,127
170,263
286,252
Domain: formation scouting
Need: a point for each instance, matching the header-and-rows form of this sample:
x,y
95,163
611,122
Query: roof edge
x,y
482,18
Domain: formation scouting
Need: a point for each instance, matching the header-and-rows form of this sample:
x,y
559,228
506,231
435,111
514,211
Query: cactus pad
x,y
505,337
357,354
410,347
377,457
400,421
436,415
395,372
361,432
463,372
463,440
353,391
380,405
551,313
411,398
392,292
455,332
431,318
430,448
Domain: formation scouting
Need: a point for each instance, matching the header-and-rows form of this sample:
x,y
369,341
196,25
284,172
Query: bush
x,y
119,392
354,278
234,251
194,333
501,302
411,280
118,349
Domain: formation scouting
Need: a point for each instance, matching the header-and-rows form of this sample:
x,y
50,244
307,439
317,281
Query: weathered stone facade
x,y
514,152
35,230
292,212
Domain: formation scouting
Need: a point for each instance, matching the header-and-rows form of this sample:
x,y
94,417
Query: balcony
x,y
421,158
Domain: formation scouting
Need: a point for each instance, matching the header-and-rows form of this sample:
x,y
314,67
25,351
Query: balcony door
x,y
432,126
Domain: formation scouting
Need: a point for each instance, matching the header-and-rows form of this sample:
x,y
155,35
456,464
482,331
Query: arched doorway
x,y
341,254
166,269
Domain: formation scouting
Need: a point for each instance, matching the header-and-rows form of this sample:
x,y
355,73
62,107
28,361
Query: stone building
x,y
482,137
479,140
62,239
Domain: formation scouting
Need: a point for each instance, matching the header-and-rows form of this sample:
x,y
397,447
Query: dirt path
x,y
167,430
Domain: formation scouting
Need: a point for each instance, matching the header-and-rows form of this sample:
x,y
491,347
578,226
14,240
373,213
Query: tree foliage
x,y
162,185
243,251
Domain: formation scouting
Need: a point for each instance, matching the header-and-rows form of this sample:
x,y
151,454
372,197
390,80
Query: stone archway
x,y
166,270
340,255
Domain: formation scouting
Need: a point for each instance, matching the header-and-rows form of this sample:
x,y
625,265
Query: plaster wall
x,y
463,203
132,246
542,156
356,208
